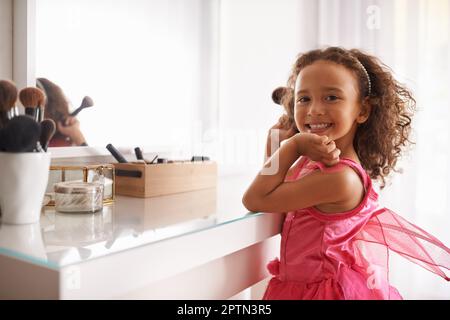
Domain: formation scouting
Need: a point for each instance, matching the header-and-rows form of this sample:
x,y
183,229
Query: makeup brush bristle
x,y
20,134
32,97
279,93
8,99
8,95
48,129
87,102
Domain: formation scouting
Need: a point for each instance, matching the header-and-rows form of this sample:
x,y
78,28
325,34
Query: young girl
x,y
353,120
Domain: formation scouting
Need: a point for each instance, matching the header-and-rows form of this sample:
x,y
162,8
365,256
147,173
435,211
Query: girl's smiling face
x,y
328,102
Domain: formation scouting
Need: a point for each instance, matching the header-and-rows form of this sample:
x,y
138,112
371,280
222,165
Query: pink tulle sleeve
x,y
386,231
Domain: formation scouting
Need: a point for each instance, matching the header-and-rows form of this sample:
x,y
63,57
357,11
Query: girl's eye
x,y
331,98
303,100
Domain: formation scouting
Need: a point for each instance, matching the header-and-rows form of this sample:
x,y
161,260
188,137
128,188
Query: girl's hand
x,y
71,128
317,148
286,131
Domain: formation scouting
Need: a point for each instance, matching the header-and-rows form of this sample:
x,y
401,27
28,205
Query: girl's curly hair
x,y
379,141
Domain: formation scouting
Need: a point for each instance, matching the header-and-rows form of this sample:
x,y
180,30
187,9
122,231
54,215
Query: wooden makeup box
x,y
152,180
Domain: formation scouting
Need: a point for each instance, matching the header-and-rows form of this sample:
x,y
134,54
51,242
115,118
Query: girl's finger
x,y
335,154
327,140
327,149
320,139
331,161
331,158
330,146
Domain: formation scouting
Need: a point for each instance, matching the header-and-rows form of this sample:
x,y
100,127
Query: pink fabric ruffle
x,y
289,290
349,284
274,267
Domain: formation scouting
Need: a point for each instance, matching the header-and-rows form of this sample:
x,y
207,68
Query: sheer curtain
x,y
413,38
259,40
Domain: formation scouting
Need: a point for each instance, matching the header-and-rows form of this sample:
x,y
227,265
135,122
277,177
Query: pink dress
x,y
345,255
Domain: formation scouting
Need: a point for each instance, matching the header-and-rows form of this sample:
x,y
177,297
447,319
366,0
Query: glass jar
x,y
99,173
73,196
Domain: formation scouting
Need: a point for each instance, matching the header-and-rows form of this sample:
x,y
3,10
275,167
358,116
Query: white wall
x,y
259,42
258,45
6,39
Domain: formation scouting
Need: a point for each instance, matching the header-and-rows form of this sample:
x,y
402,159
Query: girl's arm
x,y
268,192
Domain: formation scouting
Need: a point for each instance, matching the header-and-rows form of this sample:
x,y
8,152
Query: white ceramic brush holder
x,y
23,180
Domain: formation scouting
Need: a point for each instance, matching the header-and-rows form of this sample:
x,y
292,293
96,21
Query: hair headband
x,y
367,76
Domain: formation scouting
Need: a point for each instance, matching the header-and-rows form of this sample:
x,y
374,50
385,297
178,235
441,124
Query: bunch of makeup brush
x,y
28,132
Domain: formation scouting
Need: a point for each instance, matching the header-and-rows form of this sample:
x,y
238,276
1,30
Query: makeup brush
x,y
116,154
86,103
48,129
20,134
33,99
284,97
138,153
277,94
140,156
8,99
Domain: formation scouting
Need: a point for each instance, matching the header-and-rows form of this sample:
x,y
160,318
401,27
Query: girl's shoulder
x,y
307,166
355,183
347,167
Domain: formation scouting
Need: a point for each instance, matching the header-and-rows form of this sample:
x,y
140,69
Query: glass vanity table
x,y
143,248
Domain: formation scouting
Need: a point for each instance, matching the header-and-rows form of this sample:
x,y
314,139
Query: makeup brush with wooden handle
x,y
48,129
33,99
8,99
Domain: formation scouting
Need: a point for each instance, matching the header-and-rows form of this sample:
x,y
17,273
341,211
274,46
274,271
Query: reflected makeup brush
x,y
33,99
48,129
86,103
8,99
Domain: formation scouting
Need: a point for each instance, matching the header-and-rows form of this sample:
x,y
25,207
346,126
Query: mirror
x,y
147,65
187,77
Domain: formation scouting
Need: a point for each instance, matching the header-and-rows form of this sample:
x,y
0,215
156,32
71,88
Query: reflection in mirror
x,y
148,65
68,132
